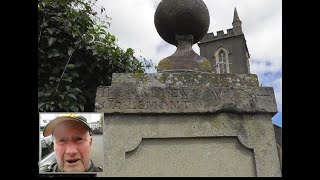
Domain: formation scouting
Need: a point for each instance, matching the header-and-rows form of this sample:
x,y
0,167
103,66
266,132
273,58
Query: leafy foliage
x,y
76,54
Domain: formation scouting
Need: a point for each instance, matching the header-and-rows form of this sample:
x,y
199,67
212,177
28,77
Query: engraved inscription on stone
x,y
130,99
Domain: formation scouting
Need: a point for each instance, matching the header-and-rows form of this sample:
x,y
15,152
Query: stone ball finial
x,y
182,17
182,23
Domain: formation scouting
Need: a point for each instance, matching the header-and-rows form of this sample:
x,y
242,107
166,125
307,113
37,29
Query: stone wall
x,y
188,124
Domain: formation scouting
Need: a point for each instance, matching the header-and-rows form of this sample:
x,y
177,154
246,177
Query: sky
x,y
91,117
133,24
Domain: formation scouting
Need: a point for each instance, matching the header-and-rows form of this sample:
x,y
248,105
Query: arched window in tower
x,y
222,61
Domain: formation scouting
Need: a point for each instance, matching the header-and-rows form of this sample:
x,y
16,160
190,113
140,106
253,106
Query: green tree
x,y
76,54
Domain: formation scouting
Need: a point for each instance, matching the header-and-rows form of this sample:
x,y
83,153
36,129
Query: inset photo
x,y
71,143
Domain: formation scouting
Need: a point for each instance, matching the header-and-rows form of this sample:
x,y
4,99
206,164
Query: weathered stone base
x,y
190,145
188,124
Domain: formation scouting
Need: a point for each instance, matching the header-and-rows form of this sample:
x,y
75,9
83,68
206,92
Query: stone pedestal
x,y
188,124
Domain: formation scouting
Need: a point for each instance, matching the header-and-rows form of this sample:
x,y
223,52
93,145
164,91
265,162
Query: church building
x,y
228,53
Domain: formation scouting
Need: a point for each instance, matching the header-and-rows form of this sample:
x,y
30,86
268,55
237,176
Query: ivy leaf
x,y
68,79
113,38
130,51
52,78
62,97
74,74
51,41
55,53
70,51
73,34
104,27
81,107
71,66
47,94
74,31
77,89
40,105
50,30
72,96
68,88
74,108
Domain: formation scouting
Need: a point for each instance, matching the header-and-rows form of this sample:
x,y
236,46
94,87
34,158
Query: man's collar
x,y
59,170
89,166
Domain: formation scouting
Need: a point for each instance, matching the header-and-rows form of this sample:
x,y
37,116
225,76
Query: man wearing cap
x,y
72,138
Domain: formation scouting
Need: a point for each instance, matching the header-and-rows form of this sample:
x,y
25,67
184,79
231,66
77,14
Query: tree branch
x,y
65,67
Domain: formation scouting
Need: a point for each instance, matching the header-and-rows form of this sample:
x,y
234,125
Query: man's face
x,y
72,146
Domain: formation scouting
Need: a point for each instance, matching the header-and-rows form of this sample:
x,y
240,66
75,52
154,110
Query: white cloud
x,y
278,91
133,24
262,26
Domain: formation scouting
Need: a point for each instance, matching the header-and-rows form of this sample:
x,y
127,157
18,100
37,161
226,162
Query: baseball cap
x,y
48,130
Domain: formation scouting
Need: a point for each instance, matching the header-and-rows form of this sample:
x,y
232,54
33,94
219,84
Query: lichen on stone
x,y
141,76
205,65
165,65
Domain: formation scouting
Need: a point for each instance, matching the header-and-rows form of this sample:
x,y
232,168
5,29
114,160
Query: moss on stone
x,y
165,65
189,78
205,66
141,76
162,78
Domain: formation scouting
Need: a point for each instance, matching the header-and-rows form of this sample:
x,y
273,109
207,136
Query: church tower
x,y
227,53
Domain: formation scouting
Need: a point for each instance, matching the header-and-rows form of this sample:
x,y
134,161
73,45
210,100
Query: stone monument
x,y
186,120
